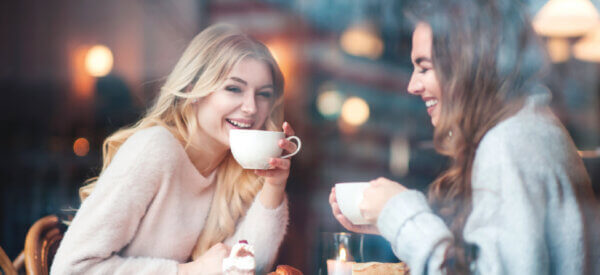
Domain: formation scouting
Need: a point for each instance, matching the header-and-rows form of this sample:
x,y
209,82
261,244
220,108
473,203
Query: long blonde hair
x,y
204,65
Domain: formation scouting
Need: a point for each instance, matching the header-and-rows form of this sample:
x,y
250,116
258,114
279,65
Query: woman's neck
x,y
206,153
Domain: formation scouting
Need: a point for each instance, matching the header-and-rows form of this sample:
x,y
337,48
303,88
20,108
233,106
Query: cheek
x,y
433,86
264,111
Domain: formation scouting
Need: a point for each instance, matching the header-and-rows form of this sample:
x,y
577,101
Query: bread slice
x,y
377,268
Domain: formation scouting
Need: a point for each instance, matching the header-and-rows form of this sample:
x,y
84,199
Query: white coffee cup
x,y
348,196
252,149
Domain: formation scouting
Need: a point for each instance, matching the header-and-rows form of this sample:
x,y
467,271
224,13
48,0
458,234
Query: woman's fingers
x,y
345,222
280,163
287,145
266,173
288,130
332,199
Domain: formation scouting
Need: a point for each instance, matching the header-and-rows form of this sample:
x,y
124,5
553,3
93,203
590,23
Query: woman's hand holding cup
x,y
376,196
362,203
280,167
345,222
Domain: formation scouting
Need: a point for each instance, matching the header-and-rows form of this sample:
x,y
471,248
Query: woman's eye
x,y
265,94
233,89
423,70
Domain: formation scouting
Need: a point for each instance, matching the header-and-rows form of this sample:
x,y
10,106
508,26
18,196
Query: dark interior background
x,y
48,101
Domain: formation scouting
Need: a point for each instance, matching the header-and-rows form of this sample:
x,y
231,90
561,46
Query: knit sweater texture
x,y
533,205
147,211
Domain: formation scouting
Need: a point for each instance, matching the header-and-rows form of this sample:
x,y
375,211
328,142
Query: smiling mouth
x,y
239,124
431,103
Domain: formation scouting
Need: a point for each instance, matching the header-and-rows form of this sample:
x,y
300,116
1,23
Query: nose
x,y
415,86
249,103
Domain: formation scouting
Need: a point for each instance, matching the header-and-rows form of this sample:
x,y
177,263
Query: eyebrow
x,y
234,78
239,80
267,86
421,59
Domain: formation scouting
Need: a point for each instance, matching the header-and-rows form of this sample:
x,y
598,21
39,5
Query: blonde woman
x,y
170,198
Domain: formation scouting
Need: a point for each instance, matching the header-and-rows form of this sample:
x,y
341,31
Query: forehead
x,y
421,41
252,70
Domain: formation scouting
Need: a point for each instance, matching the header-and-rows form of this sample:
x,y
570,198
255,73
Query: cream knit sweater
x,y
147,211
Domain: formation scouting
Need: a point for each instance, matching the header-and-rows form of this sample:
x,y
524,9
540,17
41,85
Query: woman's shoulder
x,y
150,145
155,135
533,131
155,138
532,144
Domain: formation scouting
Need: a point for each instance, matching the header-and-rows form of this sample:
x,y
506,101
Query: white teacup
x,y
348,196
252,149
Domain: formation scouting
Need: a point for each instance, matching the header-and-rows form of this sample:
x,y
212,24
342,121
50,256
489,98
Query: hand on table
x,y
211,262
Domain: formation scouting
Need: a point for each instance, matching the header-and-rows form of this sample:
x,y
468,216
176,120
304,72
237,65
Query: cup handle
x,y
297,149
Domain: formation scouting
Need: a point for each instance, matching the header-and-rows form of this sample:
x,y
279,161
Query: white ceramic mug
x,y
348,196
252,149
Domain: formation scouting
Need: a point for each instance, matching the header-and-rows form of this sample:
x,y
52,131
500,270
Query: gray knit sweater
x,y
533,205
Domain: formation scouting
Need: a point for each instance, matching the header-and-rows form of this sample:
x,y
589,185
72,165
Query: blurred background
x,y
72,72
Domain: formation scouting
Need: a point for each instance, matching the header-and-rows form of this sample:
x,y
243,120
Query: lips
x,y
430,103
240,123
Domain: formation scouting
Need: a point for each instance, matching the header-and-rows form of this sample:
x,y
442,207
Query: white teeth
x,y
431,102
239,124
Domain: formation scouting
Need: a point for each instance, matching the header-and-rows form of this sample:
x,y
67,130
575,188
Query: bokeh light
x,y
99,61
566,18
362,40
559,50
329,103
283,53
588,47
355,111
81,147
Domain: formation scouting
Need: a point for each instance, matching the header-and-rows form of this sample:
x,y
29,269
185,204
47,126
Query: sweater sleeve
x,y
109,218
418,237
506,225
508,233
263,228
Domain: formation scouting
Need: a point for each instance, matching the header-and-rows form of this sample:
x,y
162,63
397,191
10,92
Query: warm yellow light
x,y
99,61
329,103
283,53
343,254
355,111
81,147
566,18
588,48
559,49
362,40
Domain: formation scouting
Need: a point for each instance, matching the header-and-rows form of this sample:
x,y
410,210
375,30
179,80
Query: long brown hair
x,y
486,58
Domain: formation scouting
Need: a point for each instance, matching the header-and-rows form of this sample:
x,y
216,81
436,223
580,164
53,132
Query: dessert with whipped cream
x,y
241,260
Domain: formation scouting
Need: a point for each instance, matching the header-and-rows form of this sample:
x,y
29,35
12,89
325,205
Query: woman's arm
x,y
263,228
506,225
108,219
265,222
